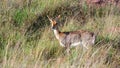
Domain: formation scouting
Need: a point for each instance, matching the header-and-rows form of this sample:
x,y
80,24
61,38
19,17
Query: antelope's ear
x,y
58,16
50,19
56,20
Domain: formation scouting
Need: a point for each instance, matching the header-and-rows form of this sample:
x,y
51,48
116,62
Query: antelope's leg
x,y
67,48
85,44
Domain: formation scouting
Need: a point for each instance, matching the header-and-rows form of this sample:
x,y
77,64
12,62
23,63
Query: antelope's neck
x,y
56,32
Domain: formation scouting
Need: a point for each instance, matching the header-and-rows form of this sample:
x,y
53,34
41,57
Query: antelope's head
x,y
54,23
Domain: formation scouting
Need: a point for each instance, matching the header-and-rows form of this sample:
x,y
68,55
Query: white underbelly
x,y
76,44
73,44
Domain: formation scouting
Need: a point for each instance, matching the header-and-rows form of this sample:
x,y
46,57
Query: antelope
x,y
72,38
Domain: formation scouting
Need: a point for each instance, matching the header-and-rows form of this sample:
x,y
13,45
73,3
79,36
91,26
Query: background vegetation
x,y
26,40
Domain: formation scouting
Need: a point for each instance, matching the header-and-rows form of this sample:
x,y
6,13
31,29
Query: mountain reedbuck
x,y
72,38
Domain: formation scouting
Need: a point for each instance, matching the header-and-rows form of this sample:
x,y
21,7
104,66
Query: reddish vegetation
x,y
102,2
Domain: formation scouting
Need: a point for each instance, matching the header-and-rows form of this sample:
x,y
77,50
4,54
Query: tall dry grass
x,y
39,47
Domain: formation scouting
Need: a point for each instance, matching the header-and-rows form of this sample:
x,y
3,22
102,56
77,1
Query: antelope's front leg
x,y
85,44
67,49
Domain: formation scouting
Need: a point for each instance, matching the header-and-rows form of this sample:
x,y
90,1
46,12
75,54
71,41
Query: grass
x,y
26,40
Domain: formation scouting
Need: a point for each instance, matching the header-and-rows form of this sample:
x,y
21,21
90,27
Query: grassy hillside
x,y
26,40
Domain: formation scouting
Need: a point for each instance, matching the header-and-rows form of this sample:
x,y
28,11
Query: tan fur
x,y
73,38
